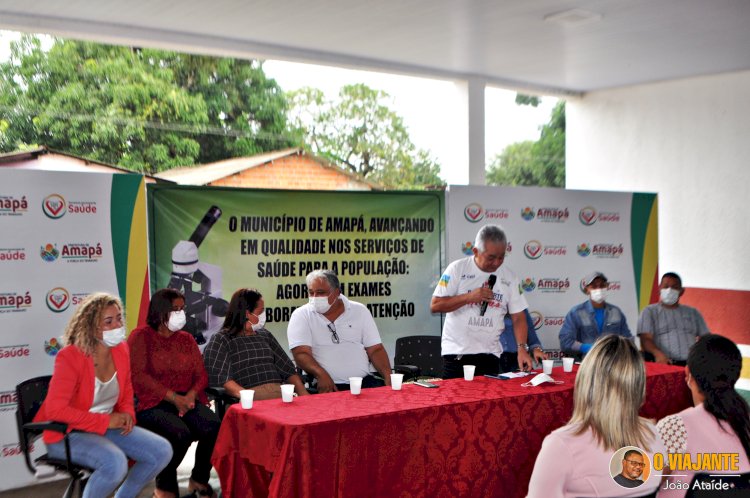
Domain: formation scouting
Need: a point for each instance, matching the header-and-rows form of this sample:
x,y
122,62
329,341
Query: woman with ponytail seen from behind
x,y
720,420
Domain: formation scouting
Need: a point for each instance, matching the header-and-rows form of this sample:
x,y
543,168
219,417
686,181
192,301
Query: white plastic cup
x,y
246,398
568,364
469,372
396,381
287,393
547,366
355,385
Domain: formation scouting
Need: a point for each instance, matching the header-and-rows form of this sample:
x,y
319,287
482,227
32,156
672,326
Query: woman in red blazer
x,y
91,391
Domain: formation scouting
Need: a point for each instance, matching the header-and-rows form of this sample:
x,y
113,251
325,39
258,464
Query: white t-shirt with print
x,y
465,331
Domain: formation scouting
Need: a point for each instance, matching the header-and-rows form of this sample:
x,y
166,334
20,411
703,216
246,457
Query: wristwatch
x,y
524,346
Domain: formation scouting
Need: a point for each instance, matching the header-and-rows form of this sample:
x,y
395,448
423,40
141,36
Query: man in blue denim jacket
x,y
588,321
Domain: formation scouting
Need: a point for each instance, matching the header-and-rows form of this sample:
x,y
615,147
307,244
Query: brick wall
x,y
297,172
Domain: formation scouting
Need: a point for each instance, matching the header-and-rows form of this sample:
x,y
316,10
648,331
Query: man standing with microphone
x,y
475,293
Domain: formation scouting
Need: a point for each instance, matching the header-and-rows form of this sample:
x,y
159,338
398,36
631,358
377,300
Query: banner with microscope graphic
x,y
556,237
385,247
64,235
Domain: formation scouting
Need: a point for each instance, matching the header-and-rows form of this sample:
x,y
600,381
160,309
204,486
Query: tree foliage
x,y
360,132
142,109
540,163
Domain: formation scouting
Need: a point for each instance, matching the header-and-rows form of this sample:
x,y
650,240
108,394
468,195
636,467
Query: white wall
x,y
689,141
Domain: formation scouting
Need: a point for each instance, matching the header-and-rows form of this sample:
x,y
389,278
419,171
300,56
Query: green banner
x,y
385,248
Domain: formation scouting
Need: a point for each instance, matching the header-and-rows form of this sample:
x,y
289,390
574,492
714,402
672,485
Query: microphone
x,y
490,283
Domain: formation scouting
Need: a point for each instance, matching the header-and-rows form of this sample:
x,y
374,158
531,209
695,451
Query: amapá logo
x,y
58,299
538,319
54,206
552,214
466,248
583,249
52,347
14,302
11,206
527,213
533,249
528,284
473,212
8,400
49,252
587,215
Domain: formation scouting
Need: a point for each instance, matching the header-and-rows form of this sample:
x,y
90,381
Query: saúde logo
x,y
17,351
12,206
538,319
583,249
587,215
14,302
553,321
58,299
533,249
473,212
54,206
49,252
528,284
608,217
552,215
11,450
52,347
527,213
13,254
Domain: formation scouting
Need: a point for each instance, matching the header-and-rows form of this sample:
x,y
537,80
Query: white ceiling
x,y
508,43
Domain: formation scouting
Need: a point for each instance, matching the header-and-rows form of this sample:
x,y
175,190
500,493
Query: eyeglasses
x,y
334,335
635,464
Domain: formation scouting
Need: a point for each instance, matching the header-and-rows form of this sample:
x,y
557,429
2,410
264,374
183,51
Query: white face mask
x,y
113,337
669,296
541,379
177,320
598,295
320,304
261,320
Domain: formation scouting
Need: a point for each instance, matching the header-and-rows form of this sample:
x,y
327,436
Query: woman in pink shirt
x,y
720,420
575,459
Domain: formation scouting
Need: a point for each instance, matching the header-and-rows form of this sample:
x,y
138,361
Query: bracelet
x,y
524,346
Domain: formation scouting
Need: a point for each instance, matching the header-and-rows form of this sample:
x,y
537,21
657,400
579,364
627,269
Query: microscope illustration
x,y
199,282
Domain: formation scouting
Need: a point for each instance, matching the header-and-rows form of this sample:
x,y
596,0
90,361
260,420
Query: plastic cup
x,y
396,381
568,364
547,366
355,385
246,398
287,393
469,372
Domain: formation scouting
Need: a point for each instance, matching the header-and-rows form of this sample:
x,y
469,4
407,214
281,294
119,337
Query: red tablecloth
x,y
475,438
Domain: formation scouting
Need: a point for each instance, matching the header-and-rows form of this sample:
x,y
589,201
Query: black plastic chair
x,y
221,398
738,486
418,356
30,394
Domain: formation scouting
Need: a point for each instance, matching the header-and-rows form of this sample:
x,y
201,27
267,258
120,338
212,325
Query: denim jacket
x,y
580,327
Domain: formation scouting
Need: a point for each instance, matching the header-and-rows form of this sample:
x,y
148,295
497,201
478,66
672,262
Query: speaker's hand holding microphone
x,y
490,284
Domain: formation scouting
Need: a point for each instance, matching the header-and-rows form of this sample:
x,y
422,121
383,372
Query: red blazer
x,y
71,392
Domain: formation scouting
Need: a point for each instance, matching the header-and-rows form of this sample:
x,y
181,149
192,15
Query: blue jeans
x,y
108,456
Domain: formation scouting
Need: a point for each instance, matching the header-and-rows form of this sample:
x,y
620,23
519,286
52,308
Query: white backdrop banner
x,y
556,237
63,236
